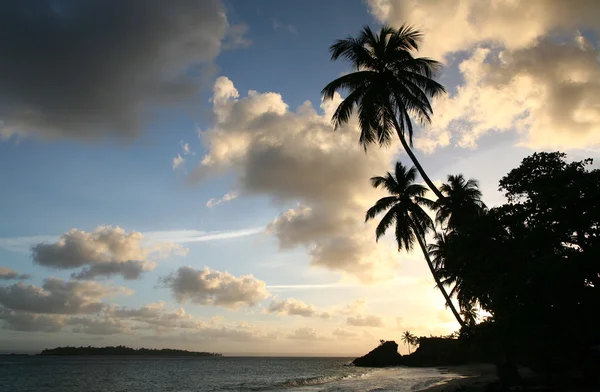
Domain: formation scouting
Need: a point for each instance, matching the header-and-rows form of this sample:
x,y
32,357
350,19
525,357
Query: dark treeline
x,y
532,263
122,350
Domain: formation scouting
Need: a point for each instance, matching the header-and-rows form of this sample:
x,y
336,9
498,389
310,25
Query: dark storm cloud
x,y
87,69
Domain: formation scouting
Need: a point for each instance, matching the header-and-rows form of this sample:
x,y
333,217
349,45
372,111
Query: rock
x,y
386,354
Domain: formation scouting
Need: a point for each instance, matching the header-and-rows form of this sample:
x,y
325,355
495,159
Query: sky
x,y
170,176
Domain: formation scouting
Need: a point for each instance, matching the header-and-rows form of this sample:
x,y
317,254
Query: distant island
x,y
125,351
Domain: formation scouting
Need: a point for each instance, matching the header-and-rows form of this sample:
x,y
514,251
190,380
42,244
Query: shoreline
x,y
473,378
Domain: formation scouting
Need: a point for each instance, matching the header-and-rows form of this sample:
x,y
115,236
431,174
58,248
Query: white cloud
x,y
10,274
326,172
451,26
105,252
178,162
226,197
369,320
548,93
295,307
530,69
211,287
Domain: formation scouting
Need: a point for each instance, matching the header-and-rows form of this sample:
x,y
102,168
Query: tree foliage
x,y
533,264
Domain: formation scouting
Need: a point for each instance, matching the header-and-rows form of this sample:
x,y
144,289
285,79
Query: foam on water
x,y
382,380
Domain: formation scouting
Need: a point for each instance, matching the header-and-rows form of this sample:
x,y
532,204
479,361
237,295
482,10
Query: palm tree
x,y
408,339
469,313
405,210
461,202
450,267
388,86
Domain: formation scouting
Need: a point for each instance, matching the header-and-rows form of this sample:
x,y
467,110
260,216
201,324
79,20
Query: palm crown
x,y
404,206
462,201
388,86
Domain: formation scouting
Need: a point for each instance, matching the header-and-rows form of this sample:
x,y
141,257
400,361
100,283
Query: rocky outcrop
x,y
435,351
431,352
386,354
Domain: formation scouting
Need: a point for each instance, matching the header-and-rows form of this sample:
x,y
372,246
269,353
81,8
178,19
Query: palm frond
x,y
388,219
382,204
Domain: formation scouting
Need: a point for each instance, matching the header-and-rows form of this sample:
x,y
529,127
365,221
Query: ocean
x,y
214,374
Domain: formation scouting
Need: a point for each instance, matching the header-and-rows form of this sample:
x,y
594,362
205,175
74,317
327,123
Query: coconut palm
x,y
388,87
408,339
461,202
404,209
450,268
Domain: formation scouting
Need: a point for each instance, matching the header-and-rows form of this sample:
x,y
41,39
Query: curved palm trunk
x,y
437,280
414,159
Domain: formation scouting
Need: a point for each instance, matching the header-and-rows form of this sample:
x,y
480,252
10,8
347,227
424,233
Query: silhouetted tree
x,y
408,339
461,202
404,209
388,87
532,263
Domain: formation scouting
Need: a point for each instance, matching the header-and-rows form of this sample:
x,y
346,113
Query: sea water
x,y
130,374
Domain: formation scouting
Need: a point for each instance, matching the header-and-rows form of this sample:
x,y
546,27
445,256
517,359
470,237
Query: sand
x,y
474,378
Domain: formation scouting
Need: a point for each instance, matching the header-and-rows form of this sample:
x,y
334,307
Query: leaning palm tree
x,y
388,86
405,210
461,202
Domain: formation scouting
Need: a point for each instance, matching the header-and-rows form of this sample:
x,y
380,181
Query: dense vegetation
x,y
122,350
531,263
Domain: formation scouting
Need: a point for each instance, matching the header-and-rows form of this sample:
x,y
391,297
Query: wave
x,y
317,380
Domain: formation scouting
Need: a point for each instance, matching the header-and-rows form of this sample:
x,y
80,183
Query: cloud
x,y
354,307
130,269
549,93
369,320
98,325
178,162
529,69
105,252
295,307
288,27
451,26
10,274
326,172
236,37
57,296
24,244
31,322
226,197
91,69
212,287
157,316
344,334
305,334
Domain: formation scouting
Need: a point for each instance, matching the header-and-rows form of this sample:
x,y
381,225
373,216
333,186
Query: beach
x,y
473,378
